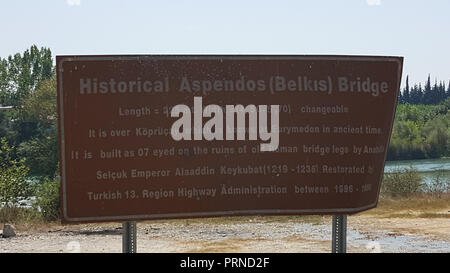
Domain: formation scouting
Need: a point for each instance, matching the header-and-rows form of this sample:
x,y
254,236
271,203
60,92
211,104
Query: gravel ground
x,y
258,234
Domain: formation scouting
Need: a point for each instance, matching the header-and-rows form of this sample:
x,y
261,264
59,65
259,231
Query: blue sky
x,y
415,29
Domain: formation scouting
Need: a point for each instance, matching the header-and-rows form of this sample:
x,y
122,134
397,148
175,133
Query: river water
x,y
428,168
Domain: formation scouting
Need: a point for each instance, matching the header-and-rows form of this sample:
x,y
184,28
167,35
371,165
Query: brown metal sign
x,y
147,137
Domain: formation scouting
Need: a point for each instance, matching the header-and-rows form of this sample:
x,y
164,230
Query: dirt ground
x,y
378,230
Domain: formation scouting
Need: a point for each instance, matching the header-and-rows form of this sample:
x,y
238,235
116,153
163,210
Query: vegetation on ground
x,y
420,132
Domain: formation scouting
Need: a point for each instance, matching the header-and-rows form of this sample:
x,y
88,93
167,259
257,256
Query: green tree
x,y
41,149
47,199
416,94
13,173
3,81
447,95
406,91
40,106
37,117
420,131
441,92
437,136
427,92
41,155
20,74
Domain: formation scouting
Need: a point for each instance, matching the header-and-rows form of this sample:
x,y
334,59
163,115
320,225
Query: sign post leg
x,y
129,239
339,240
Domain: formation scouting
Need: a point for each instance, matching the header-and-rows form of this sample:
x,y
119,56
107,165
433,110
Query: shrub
x,y
403,182
20,216
438,186
14,186
41,154
47,198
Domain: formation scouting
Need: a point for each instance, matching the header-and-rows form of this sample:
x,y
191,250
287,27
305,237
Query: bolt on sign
x,y
150,137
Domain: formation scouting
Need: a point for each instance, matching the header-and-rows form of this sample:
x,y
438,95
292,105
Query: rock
x,y
8,231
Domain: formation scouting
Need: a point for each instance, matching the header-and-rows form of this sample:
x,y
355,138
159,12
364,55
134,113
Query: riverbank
x,y
414,224
429,169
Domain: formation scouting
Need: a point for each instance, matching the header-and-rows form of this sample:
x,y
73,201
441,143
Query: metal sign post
x,y
339,239
129,239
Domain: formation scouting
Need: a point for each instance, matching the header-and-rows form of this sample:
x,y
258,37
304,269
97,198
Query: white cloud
x,y
373,2
73,2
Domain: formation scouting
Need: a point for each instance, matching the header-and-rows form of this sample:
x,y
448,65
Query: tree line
x,y
28,132
420,131
428,94
20,74
28,84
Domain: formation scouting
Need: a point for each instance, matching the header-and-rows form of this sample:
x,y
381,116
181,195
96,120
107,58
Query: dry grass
x,y
24,219
435,215
418,206
20,217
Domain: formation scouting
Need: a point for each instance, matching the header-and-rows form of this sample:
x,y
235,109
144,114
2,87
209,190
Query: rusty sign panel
x,y
147,137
